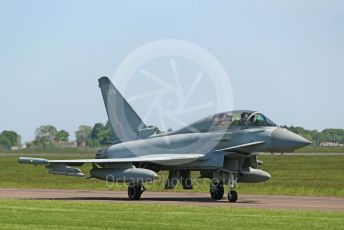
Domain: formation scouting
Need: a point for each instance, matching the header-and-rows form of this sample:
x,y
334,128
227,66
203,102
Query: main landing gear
x,y
135,191
217,191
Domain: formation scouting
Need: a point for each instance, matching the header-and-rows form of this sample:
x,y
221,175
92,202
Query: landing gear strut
x,y
135,191
232,194
216,191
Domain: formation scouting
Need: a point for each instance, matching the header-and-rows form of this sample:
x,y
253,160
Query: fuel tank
x,y
251,175
124,175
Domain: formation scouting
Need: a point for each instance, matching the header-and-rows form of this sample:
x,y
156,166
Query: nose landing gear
x,y
232,194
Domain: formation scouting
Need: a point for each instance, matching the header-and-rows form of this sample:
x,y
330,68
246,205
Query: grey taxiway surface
x,y
180,198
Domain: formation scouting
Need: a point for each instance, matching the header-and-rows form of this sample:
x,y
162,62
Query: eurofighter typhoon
x,y
222,147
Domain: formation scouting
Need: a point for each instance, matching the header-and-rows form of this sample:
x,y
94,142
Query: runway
x,y
180,198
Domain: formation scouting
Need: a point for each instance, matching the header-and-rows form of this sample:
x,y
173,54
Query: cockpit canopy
x,y
232,120
241,118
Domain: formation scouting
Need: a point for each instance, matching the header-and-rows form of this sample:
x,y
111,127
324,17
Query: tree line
x,y
86,136
101,135
9,138
316,137
48,135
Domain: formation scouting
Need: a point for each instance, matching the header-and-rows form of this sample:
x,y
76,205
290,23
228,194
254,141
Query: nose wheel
x,y
232,194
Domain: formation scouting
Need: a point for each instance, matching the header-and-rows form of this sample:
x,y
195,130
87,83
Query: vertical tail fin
x,y
125,122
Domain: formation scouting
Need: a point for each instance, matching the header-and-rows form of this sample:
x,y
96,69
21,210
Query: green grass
x,y
291,175
301,175
318,149
24,214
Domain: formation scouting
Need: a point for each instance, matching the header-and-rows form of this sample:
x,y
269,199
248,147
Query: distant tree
x,y
104,137
4,142
96,134
332,135
97,128
45,135
101,135
83,135
13,137
62,135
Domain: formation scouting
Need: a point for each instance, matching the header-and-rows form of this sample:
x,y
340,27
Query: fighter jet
x,y
222,147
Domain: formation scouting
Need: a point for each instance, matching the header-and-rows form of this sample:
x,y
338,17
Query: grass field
x,y
323,149
291,175
24,214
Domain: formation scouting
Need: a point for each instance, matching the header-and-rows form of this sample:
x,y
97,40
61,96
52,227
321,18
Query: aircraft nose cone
x,y
283,140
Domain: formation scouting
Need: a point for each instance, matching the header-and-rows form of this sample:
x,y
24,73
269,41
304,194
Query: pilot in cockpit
x,y
243,118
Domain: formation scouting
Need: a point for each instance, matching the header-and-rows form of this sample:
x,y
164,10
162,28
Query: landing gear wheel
x,y
134,192
216,191
232,196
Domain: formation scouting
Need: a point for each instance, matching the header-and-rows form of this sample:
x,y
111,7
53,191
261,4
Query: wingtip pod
x,y
34,161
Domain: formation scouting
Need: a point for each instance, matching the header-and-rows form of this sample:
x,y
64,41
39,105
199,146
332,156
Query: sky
x,y
284,58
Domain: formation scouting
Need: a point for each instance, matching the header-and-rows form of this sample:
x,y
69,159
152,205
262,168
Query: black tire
x,y
134,192
216,192
232,196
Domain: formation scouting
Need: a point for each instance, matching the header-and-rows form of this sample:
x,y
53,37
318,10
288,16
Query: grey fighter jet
x,y
222,147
